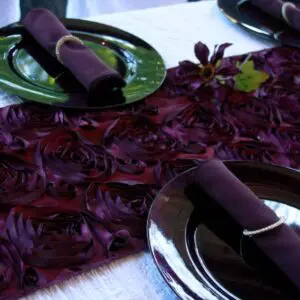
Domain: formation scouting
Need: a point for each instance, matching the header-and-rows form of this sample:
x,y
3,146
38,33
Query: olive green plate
x,y
30,72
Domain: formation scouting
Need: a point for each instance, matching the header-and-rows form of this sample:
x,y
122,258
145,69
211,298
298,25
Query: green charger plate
x,y
28,71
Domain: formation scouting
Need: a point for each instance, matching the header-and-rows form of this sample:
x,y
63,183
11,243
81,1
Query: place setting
x,y
197,237
31,72
277,21
110,155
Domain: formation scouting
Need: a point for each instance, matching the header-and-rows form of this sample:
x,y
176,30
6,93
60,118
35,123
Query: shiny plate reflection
x,y
30,72
193,260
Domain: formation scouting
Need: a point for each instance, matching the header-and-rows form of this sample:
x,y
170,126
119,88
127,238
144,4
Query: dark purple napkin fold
x,y
89,70
274,8
281,245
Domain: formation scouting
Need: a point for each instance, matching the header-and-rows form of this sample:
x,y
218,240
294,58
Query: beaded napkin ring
x,y
284,8
61,41
265,229
251,233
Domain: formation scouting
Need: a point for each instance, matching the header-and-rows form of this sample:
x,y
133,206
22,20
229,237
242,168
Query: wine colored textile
x,y
75,187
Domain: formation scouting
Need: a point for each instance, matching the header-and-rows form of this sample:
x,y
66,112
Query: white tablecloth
x,y
173,31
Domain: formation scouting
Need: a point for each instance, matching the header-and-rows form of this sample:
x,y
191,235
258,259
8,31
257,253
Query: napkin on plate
x,y
290,14
280,245
89,70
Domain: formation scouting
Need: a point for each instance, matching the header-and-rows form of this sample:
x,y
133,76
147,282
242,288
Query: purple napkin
x,y
280,245
275,7
89,70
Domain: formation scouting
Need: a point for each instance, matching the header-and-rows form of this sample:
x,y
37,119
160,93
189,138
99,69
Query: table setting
x,y
151,154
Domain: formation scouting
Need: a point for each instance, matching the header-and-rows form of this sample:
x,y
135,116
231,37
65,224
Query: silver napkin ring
x,y
251,233
61,41
284,12
264,229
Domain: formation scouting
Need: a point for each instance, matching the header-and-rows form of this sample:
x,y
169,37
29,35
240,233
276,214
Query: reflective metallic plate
x,y
193,260
30,72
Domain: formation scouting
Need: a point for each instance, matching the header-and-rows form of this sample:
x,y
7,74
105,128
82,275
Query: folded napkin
x,y
280,245
89,70
283,10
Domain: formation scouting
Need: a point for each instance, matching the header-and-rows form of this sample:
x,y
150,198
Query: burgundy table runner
x,y
75,187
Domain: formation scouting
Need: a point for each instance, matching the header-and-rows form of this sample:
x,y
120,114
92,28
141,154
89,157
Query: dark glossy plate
x,y
258,22
193,260
30,72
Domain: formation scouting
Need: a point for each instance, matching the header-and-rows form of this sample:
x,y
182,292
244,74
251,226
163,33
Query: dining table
x,y
173,31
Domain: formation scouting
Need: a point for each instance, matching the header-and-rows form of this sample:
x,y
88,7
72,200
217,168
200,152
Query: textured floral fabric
x,y
76,187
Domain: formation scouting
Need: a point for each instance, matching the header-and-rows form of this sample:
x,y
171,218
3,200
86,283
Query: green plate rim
x,y
39,95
